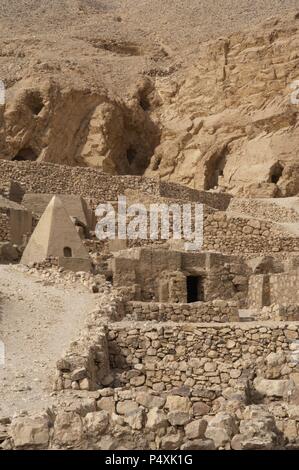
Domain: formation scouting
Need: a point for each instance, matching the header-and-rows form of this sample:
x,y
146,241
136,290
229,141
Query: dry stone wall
x,y
284,288
85,365
215,311
93,184
240,235
4,226
206,356
263,209
131,419
268,289
279,313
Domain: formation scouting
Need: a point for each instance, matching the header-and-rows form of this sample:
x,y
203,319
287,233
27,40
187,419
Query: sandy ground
x,y
38,322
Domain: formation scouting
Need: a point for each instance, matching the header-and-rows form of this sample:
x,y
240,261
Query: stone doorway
x,y
195,289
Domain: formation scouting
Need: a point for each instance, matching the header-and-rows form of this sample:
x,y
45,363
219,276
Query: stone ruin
x,y
56,236
186,350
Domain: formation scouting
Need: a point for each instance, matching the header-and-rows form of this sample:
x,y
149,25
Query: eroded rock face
x,y
231,123
75,125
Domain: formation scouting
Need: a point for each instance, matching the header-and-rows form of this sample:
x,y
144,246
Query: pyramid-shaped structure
x,y
54,236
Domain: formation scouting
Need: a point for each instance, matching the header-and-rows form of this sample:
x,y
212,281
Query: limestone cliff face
x,y
227,122
48,121
230,122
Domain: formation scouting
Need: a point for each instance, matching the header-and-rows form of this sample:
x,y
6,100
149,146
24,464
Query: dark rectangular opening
x,y
195,291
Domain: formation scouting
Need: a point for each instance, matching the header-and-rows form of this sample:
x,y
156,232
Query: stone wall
x,y
259,291
161,275
268,289
264,210
216,311
130,419
244,235
15,222
206,356
284,288
212,199
226,233
85,363
4,226
280,313
93,184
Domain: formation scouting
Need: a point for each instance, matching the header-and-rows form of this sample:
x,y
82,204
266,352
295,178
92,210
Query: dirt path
x,y
37,324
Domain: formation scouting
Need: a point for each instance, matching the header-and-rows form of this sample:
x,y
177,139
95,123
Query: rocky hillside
x,y
231,122
172,90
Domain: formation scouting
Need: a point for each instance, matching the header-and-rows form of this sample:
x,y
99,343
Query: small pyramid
x,y
54,236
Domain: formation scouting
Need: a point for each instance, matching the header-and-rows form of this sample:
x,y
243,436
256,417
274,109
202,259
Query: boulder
x,y
136,419
172,441
200,408
273,388
106,404
199,444
96,423
196,429
30,432
258,431
221,428
178,403
68,430
178,418
126,407
150,401
156,419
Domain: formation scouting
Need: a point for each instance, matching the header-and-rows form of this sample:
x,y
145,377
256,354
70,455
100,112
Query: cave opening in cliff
x,y
144,103
35,102
25,154
276,173
215,170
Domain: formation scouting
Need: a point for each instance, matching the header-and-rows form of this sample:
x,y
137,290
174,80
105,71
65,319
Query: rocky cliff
x,y
212,114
